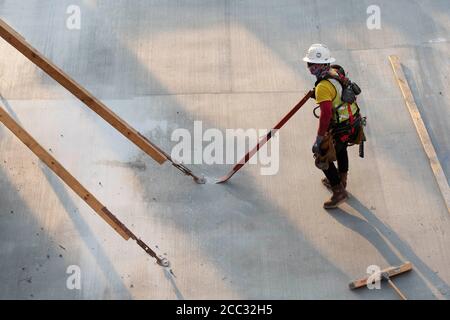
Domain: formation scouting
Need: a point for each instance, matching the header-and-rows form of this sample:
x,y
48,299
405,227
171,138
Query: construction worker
x,y
337,122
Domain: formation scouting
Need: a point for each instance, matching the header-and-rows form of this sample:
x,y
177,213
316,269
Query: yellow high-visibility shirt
x,y
325,91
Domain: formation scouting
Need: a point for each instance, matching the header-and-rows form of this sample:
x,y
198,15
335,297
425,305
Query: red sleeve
x,y
325,117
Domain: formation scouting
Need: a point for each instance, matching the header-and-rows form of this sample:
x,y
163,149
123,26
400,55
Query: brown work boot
x,y
343,176
339,196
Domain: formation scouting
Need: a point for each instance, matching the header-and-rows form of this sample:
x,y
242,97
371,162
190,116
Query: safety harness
x,y
347,91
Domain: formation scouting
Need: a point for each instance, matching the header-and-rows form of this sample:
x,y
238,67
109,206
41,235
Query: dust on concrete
x,y
135,165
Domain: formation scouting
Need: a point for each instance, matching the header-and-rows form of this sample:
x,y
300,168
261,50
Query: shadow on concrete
x,y
430,99
260,252
86,234
33,257
375,231
171,279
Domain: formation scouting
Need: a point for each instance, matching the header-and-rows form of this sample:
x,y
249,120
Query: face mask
x,y
317,69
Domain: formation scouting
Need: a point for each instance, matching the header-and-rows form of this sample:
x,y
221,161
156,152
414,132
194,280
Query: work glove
x,y
316,146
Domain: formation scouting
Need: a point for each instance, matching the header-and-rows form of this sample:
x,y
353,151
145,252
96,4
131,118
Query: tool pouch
x,y
327,153
359,136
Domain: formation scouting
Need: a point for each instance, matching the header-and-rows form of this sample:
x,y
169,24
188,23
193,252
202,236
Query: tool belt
x,y
344,133
349,133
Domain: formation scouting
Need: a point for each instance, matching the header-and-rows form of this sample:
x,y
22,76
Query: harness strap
x,y
351,118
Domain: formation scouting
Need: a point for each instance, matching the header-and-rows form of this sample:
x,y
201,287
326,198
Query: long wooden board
x,y
421,130
61,172
18,42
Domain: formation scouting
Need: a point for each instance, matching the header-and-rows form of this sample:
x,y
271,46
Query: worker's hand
x,y
316,146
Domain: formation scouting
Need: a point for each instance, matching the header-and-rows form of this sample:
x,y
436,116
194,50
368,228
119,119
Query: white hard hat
x,y
319,53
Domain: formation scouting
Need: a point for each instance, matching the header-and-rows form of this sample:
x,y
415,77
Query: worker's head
x,y
318,59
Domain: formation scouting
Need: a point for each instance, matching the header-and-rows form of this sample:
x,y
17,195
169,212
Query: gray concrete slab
x,y
231,64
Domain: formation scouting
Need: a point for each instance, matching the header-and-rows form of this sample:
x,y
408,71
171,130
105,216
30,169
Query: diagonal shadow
x,y
88,237
372,228
33,271
174,285
440,124
261,243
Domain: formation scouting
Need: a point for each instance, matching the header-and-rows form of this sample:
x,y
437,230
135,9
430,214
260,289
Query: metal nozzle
x,y
200,180
163,262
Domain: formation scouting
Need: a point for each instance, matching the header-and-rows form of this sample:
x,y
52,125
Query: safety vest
x,y
342,111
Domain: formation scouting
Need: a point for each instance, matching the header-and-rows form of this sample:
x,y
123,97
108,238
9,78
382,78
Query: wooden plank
x,y
421,130
391,271
61,172
18,42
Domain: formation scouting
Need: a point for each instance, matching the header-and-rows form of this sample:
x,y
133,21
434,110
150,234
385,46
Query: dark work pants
x,y
332,173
